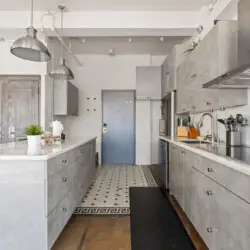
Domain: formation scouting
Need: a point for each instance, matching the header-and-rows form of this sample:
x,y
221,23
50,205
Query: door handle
x,y
105,128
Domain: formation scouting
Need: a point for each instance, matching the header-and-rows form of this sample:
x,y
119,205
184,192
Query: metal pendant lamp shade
x,y
61,71
29,47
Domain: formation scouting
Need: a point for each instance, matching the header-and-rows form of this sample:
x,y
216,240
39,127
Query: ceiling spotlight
x,y
130,40
162,39
111,52
199,29
211,5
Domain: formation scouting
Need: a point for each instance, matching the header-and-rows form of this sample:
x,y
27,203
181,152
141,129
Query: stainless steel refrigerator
x,y
168,114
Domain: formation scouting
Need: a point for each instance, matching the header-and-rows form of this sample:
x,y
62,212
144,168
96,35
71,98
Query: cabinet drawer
x,y
57,220
59,185
231,217
201,208
57,163
233,180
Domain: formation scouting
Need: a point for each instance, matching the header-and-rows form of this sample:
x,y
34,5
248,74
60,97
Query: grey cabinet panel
x,y
65,98
215,55
201,211
224,175
232,219
176,173
215,199
227,216
72,107
148,82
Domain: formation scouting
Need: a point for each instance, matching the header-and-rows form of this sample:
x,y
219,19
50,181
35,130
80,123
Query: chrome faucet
x,y
200,124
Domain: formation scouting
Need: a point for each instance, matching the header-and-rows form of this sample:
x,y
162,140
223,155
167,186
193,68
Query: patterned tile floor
x,y
109,193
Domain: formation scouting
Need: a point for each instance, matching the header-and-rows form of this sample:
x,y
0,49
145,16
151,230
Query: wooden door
x,y
19,106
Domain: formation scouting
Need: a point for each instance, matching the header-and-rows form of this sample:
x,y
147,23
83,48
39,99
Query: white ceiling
x,y
106,4
121,45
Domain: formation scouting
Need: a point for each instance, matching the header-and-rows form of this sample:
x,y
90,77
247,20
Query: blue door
x,y
118,128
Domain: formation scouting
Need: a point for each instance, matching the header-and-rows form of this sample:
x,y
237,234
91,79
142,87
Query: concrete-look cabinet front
x,y
214,197
40,193
215,55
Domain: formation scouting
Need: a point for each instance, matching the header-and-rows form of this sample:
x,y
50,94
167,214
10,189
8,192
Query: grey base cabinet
x,y
214,197
39,196
176,173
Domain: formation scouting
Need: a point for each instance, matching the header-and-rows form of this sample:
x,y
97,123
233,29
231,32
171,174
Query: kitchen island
x,y
40,190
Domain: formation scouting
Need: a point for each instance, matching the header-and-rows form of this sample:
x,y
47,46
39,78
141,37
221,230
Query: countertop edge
x,y
46,156
226,161
75,145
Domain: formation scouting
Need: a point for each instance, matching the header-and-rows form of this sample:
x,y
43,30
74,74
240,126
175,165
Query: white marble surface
x,y
19,150
225,160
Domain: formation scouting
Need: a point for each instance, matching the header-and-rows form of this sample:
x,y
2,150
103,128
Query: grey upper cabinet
x,y
215,55
148,82
169,68
65,98
217,52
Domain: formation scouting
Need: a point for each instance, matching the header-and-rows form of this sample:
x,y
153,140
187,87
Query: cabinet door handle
x,y
64,179
210,170
209,229
209,192
64,161
64,209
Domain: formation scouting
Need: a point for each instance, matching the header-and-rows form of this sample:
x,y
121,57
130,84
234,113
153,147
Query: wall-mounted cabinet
x,y
65,98
215,55
148,82
169,68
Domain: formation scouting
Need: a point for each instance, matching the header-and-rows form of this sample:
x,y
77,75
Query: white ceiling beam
x,y
108,23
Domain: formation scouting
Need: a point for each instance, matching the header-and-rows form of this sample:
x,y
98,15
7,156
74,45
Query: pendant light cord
x,y
32,13
62,31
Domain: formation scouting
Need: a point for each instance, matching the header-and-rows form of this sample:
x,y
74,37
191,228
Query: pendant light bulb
x,y
29,47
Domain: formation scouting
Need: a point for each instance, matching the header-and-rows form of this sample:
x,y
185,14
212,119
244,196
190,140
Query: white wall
x,y
105,72
11,65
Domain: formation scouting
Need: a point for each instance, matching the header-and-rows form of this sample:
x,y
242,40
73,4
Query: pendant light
x,y
61,71
29,47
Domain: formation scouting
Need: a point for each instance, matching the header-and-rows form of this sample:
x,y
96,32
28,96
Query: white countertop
x,y
19,150
233,163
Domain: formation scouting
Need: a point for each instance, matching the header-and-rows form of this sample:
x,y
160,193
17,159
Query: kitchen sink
x,y
196,142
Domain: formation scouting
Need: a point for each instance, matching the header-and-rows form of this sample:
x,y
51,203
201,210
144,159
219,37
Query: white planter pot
x,y
34,140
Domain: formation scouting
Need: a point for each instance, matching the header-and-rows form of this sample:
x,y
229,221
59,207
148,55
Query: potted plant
x,y
33,133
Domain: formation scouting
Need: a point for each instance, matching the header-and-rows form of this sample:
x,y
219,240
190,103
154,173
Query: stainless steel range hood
x,y
240,76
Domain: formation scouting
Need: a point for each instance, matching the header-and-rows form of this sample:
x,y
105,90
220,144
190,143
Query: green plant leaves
x,y
33,130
